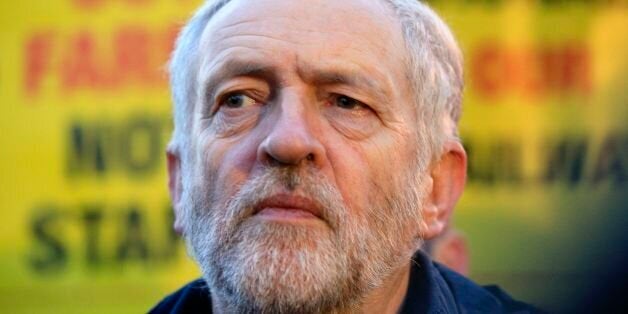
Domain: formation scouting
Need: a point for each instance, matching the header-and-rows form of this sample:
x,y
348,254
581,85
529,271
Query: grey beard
x,y
271,267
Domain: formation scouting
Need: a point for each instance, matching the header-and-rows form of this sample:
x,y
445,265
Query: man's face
x,y
302,187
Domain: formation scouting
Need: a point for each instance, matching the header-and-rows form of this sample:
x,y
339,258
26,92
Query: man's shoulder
x,y
434,288
191,298
473,298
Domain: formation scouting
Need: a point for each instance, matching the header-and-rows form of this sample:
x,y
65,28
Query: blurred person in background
x,y
309,162
450,249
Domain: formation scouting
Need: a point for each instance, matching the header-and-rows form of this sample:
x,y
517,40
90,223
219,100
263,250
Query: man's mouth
x,y
288,208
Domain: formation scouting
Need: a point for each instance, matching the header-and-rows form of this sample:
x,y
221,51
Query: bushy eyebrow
x,y
339,76
233,68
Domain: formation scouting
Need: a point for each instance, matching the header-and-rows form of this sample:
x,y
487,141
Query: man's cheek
x,y
222,175
353,179
209,155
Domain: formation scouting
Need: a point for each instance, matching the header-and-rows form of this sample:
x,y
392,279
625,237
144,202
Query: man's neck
x,y
385,299
389,297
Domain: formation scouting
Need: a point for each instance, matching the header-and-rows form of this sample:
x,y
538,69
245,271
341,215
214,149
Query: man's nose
x,y
292,140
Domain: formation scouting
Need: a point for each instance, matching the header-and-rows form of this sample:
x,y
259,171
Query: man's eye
x,y
238,100
346,102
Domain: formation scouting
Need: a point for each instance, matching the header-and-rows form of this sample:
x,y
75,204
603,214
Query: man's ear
x,y
175,187
448,177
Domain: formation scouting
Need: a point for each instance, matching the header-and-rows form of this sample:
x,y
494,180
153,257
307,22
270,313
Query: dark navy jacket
x,y
433,288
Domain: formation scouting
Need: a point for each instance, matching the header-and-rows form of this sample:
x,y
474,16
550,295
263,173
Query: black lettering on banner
x,y
132,146
88,151
92,220
497,162
566,161
172,243
612,161
570,160
133,244
50,254
140,145
52,250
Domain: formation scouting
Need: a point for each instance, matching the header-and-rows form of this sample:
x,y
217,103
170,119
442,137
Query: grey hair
x,y
184,70
434,63
435,73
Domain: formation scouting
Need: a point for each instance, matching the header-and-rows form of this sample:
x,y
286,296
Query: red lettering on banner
x,y
171,37
79,67
489,68
130,56
576,70
37,61
87,4
531,72
92,4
